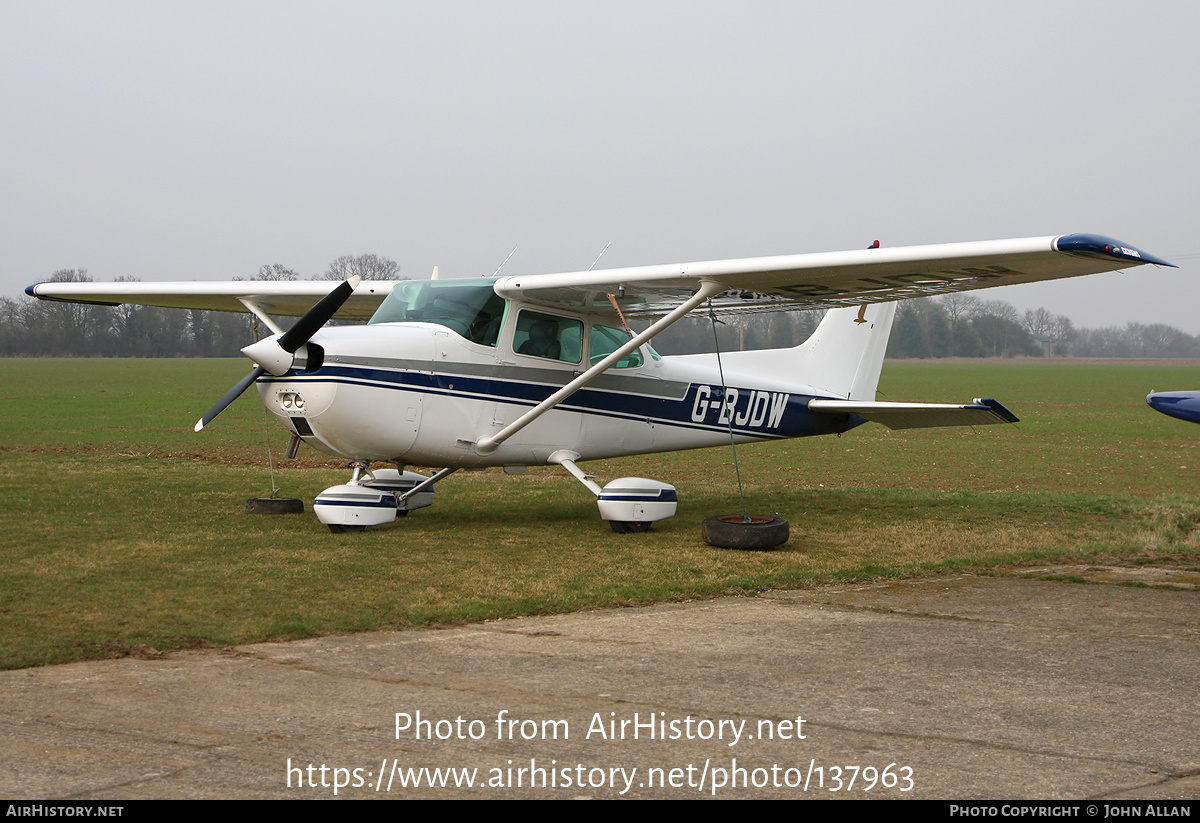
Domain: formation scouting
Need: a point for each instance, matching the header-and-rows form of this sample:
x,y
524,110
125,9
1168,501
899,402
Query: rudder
x,y
844,356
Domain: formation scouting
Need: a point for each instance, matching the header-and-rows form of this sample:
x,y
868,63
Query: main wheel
x,y
732,531
629,526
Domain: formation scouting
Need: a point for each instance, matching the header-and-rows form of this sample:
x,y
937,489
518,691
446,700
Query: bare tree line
x,y
964,325
953,325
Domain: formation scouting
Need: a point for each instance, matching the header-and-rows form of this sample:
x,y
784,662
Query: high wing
x,y
288,298
834,279
800,281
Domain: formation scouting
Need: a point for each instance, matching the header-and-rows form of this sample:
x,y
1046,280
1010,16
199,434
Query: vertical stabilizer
x,y
842,358
845,354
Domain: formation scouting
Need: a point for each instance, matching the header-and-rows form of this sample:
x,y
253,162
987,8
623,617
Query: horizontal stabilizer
x,y
982,412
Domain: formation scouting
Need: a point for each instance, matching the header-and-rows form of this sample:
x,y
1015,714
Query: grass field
x,y
123,529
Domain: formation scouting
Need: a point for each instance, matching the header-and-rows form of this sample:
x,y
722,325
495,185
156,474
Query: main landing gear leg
x,y
629,504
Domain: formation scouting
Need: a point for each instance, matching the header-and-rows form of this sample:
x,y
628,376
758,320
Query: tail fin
x,y
842,358
845,354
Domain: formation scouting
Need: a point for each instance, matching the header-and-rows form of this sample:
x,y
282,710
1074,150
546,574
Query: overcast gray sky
x,y
190,140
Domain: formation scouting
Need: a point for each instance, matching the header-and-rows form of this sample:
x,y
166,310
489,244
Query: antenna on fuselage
x,y
510,254
598,256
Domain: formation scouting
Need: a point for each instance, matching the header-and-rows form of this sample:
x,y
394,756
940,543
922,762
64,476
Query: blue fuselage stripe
x,y
754,413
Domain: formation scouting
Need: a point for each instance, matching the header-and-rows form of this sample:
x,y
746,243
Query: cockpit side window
x,y
549,336
473,310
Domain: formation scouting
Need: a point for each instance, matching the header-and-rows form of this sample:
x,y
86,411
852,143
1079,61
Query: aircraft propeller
x,y
276,354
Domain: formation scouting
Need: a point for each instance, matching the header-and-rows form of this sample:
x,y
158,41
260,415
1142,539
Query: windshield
x,y
606,340
471,308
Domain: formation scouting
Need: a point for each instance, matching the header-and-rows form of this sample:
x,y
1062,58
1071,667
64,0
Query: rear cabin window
x,y
548,336
473,310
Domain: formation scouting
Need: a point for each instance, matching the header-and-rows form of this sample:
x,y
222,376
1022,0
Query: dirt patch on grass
x,y
1157,575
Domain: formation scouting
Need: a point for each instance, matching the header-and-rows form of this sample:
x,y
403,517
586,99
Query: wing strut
x,y
487,445
258,312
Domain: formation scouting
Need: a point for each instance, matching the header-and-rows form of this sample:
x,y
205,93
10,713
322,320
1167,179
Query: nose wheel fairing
x,y
371,499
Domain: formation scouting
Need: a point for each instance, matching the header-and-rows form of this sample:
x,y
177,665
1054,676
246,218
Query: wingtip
x,y
1098,245
199,424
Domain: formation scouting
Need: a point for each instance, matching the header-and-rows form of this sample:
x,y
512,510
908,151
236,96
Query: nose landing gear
x,y
371,498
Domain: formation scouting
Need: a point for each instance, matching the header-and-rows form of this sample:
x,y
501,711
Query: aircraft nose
x,y
1160,401
1184,405
299,398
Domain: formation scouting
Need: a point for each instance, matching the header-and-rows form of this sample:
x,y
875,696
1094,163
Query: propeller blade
x,y
290,341
230,396
317,316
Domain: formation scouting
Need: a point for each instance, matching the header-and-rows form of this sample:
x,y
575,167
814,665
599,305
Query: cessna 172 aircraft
x,y
544,369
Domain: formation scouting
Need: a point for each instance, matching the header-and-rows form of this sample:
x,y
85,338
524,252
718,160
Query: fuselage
x,y
422,383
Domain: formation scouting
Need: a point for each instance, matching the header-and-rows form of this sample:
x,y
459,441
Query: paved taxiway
x,y
985,687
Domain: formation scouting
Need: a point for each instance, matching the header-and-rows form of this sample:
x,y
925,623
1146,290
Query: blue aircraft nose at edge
x,y
1184,405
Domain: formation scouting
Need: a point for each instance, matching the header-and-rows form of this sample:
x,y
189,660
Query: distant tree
x,y
1159,340
13,341
1000,309
275,271
1038,322
908,338
959,306
1108,341
366,266
1003,337
964,340
69,328
1063,334
937,332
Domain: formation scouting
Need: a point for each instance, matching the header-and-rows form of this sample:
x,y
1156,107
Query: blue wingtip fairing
x,y
1184,405
1097,245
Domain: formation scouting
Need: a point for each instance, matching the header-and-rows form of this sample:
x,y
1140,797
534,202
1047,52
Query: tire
x,y
338,528
274,505
731,531
629,526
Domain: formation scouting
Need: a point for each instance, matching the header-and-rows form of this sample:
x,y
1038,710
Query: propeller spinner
x,y
276,354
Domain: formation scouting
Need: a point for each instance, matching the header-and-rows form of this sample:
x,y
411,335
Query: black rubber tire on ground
x,y
274,505
731,531
630,526
338,528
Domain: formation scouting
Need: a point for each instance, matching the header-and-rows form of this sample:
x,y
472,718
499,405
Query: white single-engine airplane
x,y
544,369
